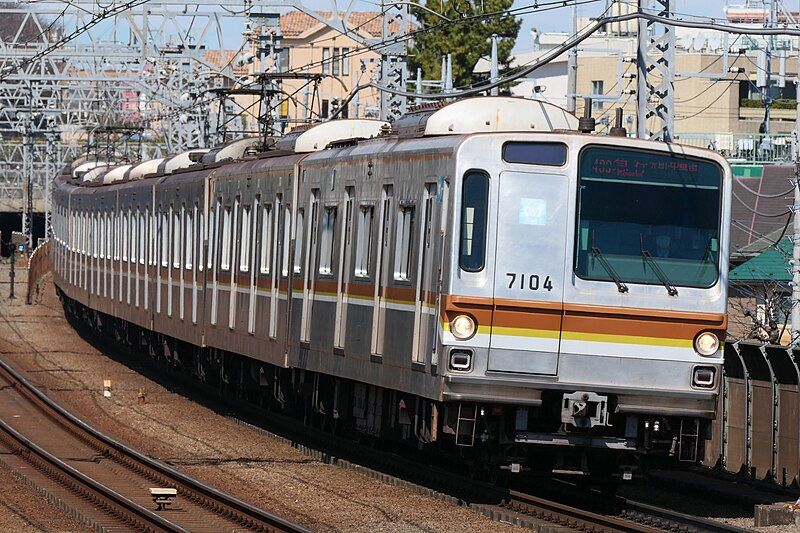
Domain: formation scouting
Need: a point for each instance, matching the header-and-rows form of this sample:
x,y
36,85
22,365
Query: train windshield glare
x,y
648,218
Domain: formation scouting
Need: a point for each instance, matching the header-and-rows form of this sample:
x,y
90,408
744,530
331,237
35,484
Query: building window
x,y
597,90
325,108
345,61
364,240
402,249
326,60
326,241
336,61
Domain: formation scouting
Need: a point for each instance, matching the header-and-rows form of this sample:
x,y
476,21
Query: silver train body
x,y
485,279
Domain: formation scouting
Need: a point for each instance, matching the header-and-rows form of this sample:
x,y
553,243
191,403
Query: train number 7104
x,y
528,281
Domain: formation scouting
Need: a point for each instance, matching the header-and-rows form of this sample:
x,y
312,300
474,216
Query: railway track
x,y
527,510
86,471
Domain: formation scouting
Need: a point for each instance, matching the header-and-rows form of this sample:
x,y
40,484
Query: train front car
x,y
585,302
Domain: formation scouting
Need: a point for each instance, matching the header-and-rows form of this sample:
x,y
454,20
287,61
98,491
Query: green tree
x,y
467,37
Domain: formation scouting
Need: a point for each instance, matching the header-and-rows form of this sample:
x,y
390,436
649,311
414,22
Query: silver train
x,y
479,279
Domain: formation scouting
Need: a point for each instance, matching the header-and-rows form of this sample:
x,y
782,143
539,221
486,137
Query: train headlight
x,y
706,343
463,327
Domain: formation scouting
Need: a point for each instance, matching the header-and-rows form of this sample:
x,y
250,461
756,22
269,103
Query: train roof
x,y
435,125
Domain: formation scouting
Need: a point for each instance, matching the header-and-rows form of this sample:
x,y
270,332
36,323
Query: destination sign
x,y
622,164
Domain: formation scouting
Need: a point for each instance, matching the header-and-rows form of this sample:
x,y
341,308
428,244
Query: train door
x,y
345,243
310,267
423,317
384,231
529,272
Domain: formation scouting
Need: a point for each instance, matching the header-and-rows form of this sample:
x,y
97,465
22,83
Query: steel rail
x,y
116,504
646,512
250,516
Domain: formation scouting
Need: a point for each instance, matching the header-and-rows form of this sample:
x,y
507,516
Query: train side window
x,y
101,234
117,241
198,228
364,240
245,241
403,243
474,215
298,240
266,237
535,153
176,238
326,241
225,259
164,239
189,247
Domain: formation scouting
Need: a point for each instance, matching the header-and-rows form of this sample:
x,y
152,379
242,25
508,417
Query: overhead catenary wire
x,y
756,211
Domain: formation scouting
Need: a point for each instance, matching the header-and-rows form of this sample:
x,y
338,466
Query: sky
x,y
561,19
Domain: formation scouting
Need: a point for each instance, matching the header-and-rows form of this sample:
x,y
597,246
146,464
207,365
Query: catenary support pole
x,y
796,225
572,66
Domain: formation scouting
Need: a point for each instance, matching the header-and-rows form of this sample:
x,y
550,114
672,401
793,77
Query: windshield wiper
x,y
597,254
671,290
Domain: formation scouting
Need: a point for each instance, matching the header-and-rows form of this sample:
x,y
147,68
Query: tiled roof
x,y
295,23
772,264
223,58
747,227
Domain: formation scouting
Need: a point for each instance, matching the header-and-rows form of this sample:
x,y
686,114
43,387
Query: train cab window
x,y
535,153
326,241
266,238
189,247
474,215
245,241
225,249
403,243
364,240
638,220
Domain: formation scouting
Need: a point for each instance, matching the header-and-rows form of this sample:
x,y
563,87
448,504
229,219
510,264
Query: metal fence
x,y
756,432
743,148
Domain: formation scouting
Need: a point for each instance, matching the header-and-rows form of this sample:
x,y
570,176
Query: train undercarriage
x,y
576,435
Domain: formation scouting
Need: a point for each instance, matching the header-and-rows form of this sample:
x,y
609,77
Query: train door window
x,y
189,247
326,241
101,235
125,236
403,243
266,238
212,235
474,215
164,237
142,237
378,314
244,241
225,249
287,223
134,236
364,240
424,277
151,238
298,240
273,300
176,238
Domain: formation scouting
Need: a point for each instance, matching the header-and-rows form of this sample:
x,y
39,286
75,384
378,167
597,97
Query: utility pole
x,y
796,226
655,62
572,66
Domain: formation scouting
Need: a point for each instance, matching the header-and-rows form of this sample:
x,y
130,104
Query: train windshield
x,y
647,217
